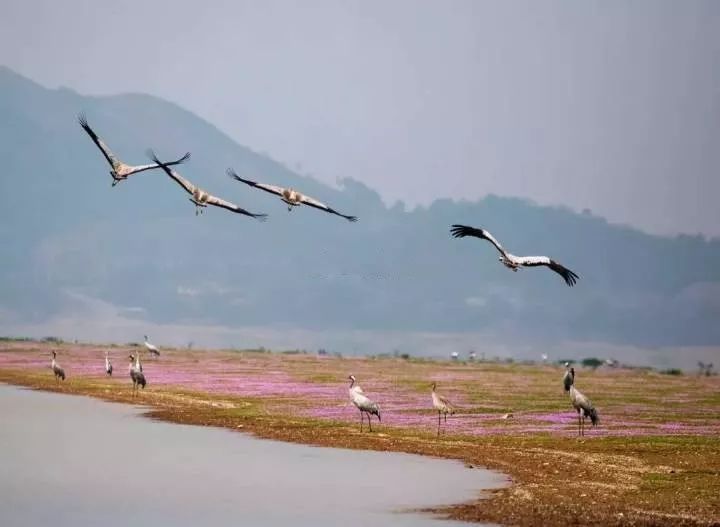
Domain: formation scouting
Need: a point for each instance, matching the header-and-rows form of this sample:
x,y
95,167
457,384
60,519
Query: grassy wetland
x,y
654,459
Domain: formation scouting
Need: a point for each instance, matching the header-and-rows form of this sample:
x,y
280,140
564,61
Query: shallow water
x,y
69,461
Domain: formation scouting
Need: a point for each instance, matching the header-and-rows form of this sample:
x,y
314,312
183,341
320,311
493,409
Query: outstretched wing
x,y
533,261
460,231
321,206
218,202
272,189
114,161
142,168
184,183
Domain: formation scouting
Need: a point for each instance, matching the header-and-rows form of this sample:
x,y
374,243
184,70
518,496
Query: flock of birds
x,y
120,171
134,369
362,402
584,408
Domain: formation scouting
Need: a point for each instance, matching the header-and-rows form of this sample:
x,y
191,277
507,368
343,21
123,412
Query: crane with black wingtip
x,y
363,403
580,402
58,371
120,171
510,260
136,373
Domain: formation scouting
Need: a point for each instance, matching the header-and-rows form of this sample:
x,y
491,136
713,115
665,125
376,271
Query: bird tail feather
x,y
594,417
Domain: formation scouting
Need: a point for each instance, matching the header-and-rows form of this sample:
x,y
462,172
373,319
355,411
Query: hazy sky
x,y
612,106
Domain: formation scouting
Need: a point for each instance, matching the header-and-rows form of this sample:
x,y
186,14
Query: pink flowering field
x,y
630,402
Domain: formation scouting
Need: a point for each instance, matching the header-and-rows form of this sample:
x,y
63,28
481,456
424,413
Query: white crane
x,y
510,260
154,351
362,403
108,365
120,171
442,405
57,369
199,197
291,197
136,373
582,404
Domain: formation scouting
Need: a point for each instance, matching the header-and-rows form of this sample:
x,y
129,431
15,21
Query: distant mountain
x,y
63,228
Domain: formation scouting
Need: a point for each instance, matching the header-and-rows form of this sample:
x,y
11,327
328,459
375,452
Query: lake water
x,y
75,461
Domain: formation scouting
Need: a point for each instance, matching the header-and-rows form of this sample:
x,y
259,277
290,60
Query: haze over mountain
x,y
84,260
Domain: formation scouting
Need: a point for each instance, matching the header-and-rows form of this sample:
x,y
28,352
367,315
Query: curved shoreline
x,y
208,463
554,479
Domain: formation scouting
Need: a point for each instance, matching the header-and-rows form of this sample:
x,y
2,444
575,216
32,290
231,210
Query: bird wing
x,y
321,206
184,183
460,231
114,161
446,401
218,202
361,400
533,261
582,401
272,189
142,168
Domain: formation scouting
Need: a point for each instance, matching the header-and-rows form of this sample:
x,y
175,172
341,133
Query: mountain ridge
x,y
139,244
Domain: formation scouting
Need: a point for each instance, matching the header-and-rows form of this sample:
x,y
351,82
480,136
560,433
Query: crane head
x,y
54,354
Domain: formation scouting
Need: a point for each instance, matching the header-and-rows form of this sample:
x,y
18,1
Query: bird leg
x,y
361,420
579,423
438,431
446,417
369,422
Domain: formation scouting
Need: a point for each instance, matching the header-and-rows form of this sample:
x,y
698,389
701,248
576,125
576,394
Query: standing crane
x,y
362,403
582,404
152,348
442,405
57,369
108,365
136,374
